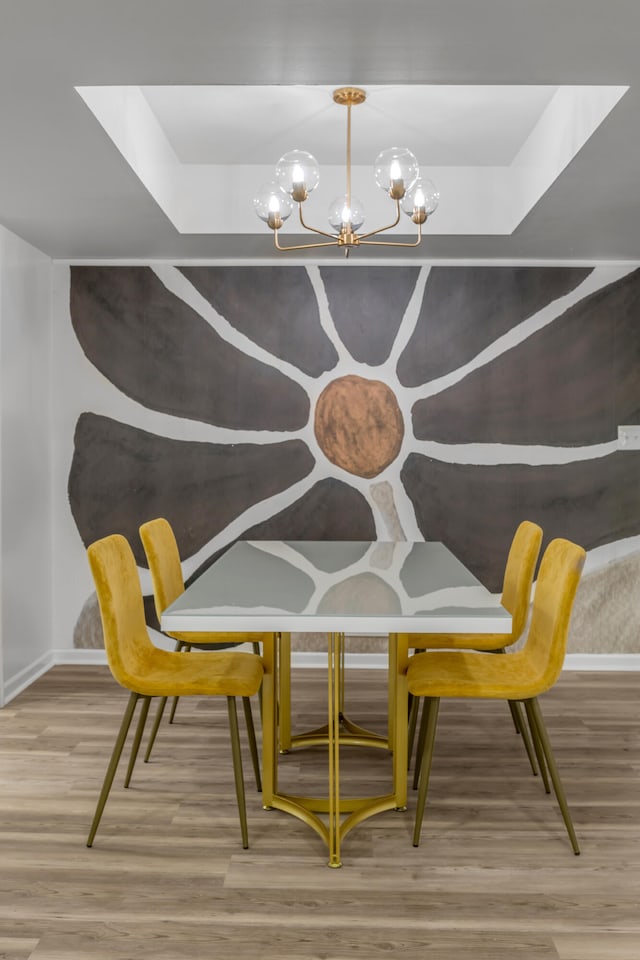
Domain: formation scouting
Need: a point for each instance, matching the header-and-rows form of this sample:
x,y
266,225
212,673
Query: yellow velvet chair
x,y
516,595
163,558
141,667
521,676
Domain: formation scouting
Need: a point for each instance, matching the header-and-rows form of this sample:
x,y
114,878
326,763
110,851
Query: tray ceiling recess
x,y
493,151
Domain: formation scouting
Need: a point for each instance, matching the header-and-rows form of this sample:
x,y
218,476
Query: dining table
x,y
337,588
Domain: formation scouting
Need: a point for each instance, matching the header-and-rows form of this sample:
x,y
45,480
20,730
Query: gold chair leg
x,y
536,722
181,646
142,719
251,736
537,743
113,764
420,748
154,730
521,728
515,716
414,709
431,707
237,769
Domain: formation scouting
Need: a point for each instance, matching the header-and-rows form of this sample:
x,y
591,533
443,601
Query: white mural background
x,y
607,615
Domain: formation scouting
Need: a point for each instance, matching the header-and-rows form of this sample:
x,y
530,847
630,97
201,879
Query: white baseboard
x,y
299,658
573,661
25,677
602,661
313,660
98,657
305,658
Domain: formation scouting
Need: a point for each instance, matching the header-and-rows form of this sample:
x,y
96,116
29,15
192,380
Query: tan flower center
x,y
358,425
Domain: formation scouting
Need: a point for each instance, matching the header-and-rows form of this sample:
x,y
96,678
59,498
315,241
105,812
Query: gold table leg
x,y
284,692
269,721
392,684
334,698
398,664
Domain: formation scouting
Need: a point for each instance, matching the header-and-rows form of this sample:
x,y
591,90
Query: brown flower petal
x,y
569,384
274,307
160,352
464,309
331,510
121,476
359,297
473,509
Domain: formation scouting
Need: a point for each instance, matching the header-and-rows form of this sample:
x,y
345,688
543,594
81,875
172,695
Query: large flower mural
x,y
359,402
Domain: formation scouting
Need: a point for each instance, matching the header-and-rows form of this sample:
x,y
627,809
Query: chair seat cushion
x,y
227,673
478,675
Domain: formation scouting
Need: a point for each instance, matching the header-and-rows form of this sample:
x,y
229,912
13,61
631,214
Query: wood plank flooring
x,y
493,879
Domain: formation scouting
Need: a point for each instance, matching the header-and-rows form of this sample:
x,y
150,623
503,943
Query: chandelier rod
x,y
349,155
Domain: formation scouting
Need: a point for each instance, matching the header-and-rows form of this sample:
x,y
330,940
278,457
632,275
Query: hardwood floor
x,y
493,879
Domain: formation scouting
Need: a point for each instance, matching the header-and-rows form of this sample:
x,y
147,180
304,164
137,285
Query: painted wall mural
x,y
360,402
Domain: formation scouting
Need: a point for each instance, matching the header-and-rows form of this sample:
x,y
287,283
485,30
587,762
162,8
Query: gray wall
x,y
25,466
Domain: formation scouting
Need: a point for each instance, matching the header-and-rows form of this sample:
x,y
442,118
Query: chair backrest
x,y
163,557
518,574
558,579
126,638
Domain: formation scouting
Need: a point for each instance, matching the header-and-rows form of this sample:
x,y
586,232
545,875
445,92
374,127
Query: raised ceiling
x,y
201,152
235,85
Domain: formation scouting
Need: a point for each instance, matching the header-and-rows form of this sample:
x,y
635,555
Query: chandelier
x,y
297,174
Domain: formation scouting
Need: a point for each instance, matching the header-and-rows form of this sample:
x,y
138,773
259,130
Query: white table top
x,y
343,586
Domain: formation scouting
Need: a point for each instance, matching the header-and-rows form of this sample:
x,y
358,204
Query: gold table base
x,y
277,736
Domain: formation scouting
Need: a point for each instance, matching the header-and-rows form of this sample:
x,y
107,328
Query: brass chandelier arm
x,y
394,243
322,233
391,243
395,223
303,246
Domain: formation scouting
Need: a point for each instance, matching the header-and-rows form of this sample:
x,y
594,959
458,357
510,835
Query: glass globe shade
x,y
272,204
396,170
341,215
422,197
298,173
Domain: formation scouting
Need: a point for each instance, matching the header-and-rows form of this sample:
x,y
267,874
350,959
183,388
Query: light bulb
x,y
396,170
418,198
421,200
343,215
298,174
272,204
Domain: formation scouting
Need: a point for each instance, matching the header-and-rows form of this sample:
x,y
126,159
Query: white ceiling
x,y
463,84
203,152
443,125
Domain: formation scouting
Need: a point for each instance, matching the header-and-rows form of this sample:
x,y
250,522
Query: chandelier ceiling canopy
x,y
297,174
